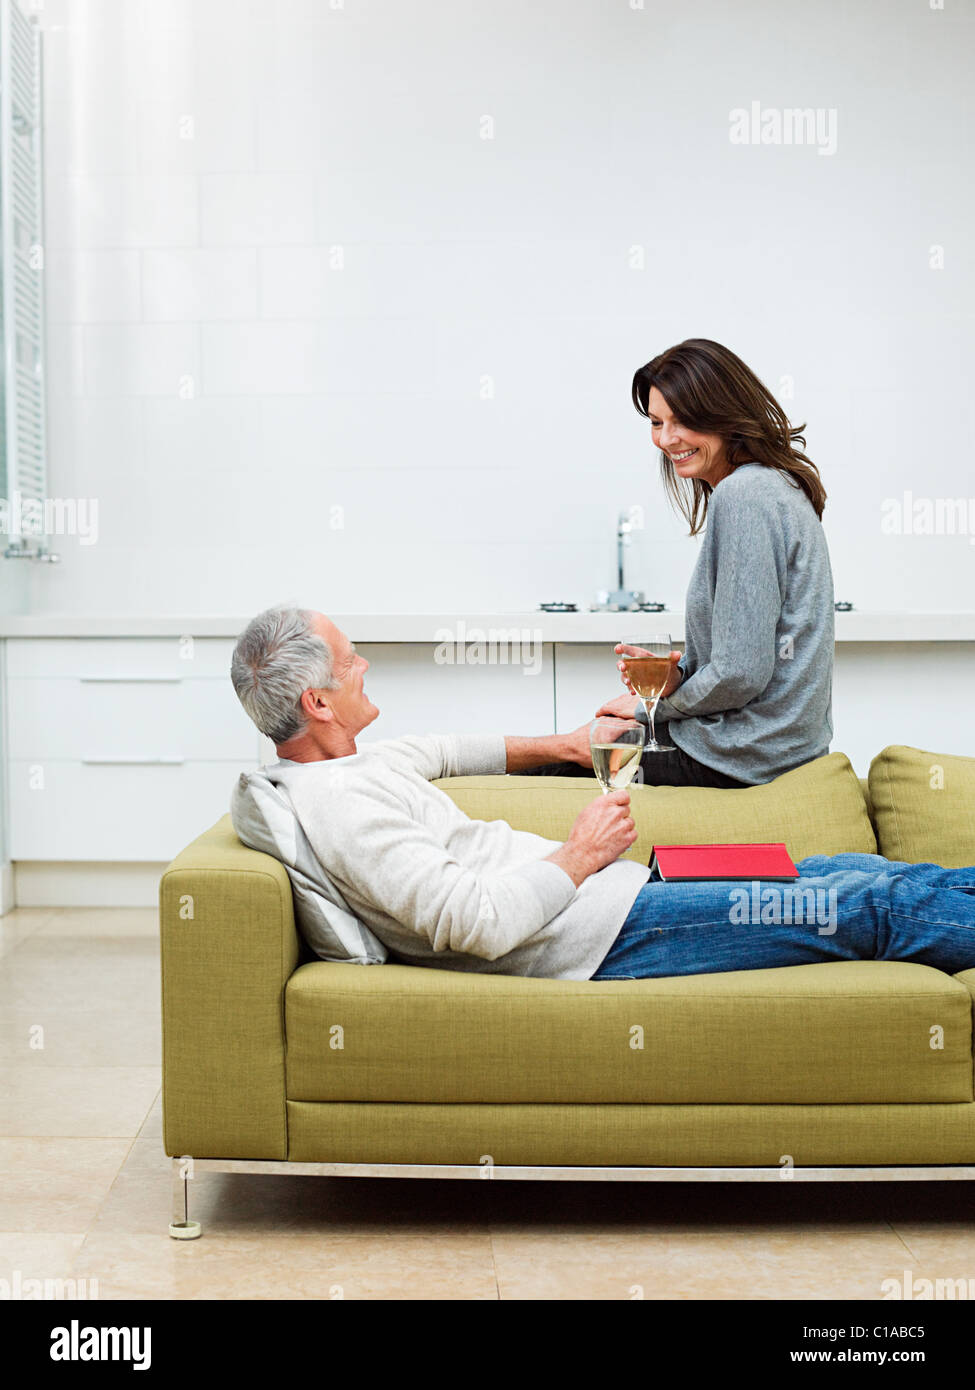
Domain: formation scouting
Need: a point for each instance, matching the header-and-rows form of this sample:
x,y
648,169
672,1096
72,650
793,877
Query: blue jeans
x,y
842,907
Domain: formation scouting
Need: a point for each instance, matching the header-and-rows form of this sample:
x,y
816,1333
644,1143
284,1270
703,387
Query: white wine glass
x,y
647,670
617,747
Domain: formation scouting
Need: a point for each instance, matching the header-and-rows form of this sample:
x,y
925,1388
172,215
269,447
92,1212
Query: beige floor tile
x,y
56,1184
47,973
385,1266
121,1037
813,1264
17,926
101,922
147,1150
93,1102
935,1281
946,1246
27,1255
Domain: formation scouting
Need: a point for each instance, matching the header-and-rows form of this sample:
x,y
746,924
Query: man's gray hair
x,y
277,658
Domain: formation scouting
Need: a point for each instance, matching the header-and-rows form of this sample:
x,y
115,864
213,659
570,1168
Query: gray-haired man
x,y
436,887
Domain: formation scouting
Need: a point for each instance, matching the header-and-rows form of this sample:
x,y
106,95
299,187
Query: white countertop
x,y
459,627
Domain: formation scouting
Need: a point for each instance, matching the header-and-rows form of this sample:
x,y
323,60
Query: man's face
x,y
349,704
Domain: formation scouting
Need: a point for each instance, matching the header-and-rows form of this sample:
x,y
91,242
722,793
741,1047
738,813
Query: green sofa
x,y
276,1061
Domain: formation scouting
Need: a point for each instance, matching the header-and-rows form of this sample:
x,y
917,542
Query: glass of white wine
x,y
647,671
617,747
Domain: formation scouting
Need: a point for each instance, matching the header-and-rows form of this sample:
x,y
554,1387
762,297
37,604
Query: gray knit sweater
x,y
756,697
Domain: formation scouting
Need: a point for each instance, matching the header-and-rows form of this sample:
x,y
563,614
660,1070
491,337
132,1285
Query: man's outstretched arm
x,y
524,753
465,755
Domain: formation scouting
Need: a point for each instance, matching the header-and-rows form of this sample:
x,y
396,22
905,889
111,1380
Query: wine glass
x,y
617,747
647,671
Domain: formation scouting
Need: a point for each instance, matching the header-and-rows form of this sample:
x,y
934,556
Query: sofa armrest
x,y
229,945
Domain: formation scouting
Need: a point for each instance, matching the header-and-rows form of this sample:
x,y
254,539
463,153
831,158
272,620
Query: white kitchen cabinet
x,y
120,749
128,718
140,812
191,658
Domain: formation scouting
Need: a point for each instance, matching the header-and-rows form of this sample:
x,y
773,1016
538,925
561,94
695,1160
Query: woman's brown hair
x,y
710,390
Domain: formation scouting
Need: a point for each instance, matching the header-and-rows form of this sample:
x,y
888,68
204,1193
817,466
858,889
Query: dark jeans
x,y
676,769
842,907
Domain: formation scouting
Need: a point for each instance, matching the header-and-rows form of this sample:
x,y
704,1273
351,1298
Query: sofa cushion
x,y
924,806
816,809
841,1032
264,819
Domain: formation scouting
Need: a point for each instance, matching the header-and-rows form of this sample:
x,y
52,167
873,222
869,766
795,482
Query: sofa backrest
x,y
819,808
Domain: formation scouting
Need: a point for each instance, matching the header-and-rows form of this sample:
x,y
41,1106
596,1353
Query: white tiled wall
x,y
259,423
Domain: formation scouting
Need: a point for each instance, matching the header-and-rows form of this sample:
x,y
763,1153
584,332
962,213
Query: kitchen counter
x,y
534,626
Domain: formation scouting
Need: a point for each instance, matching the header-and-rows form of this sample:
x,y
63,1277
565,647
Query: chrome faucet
x,y
622,599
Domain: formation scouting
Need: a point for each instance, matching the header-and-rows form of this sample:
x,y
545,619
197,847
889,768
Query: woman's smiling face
x,y
693,455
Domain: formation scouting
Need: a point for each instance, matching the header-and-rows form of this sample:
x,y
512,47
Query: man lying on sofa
x,y
388,857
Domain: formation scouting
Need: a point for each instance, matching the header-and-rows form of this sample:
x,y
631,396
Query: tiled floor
x,y
85,1189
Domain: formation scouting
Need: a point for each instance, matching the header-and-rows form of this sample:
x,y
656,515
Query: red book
x,y
685,863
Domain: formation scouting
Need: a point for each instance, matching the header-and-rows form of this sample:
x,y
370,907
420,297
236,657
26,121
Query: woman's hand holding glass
x,y
649,669
673,680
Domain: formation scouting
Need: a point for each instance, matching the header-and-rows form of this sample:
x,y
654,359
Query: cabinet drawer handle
x,y
172,760
130,680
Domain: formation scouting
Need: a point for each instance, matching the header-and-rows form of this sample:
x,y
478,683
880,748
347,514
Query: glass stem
x,y
649,711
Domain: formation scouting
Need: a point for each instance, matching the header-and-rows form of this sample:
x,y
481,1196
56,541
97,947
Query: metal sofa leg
x,y
181,1227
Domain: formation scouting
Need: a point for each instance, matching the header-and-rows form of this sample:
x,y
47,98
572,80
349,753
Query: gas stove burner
x,y
606,604
559,607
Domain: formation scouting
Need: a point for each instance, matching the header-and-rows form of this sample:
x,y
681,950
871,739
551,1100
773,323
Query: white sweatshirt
x,y
443,890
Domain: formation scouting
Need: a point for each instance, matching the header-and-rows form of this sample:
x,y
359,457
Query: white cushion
x,y
263,818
